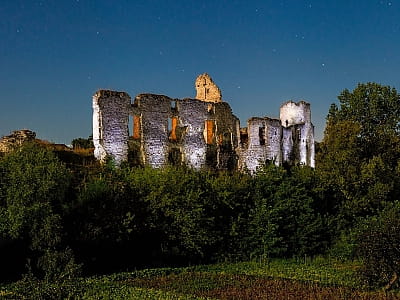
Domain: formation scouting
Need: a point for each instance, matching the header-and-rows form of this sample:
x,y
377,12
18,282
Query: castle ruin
x,y
200,133
15,139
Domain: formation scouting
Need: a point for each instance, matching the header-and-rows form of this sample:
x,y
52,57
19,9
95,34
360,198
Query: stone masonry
x,y
207,90
199,133
15,139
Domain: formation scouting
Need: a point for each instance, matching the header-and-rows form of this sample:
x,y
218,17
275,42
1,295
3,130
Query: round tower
x,y
292,113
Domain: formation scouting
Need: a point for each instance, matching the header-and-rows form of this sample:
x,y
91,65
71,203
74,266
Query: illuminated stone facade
x,y
206,89
156,130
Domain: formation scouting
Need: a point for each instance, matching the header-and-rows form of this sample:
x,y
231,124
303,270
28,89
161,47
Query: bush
x,y
285,220
379,248
33,195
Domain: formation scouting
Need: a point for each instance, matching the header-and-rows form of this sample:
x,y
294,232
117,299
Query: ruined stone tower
x,y
200,133
298,143
207,90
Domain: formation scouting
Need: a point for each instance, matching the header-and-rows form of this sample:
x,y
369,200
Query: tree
x,y
378,247
376,110
285,220
360,151
34,186
81,143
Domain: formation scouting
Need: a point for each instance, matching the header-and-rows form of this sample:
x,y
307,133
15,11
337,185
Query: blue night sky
x,y
55,54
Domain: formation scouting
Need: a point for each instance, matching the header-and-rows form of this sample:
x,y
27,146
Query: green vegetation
x,y
310,279
81,143
62,216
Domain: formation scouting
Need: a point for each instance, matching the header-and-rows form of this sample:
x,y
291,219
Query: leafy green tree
x,y
360,151
263,232
285,219
32,200
83,143
228,204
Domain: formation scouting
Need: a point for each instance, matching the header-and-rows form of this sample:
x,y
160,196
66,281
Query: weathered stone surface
x,y
184,131
298,143
262,143
199,132
206,89
15,139
110,125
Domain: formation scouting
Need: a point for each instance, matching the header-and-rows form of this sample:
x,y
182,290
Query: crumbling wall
x,y
227,135
154,111
193,116
298,141
288,154
16,138
193,132
261,144
206,89
110,125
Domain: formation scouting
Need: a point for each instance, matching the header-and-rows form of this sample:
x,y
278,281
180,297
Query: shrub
x,y
32,199
379,248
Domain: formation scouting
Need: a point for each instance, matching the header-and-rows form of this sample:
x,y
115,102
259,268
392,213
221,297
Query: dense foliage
x,y
57,215
360,152
378,246
358,166
118,218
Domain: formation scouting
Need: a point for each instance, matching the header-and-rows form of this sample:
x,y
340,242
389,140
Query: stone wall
x,y
15,139
206,89
262,143
298,144
110,125
188,131
200,133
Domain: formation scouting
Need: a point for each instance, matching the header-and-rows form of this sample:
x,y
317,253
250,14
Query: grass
x,y
272,279
317,270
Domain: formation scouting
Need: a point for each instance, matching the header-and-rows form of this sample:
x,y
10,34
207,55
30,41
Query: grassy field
x,y
272,279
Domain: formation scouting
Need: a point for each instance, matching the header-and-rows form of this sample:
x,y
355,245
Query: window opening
x,y
136,127
173,105
261,134
209,131
172,124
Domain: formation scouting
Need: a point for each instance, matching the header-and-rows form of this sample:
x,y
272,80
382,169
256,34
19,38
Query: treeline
x,y
110,219
58,219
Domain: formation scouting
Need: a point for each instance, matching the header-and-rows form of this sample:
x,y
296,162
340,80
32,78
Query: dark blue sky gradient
x,y
55,54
